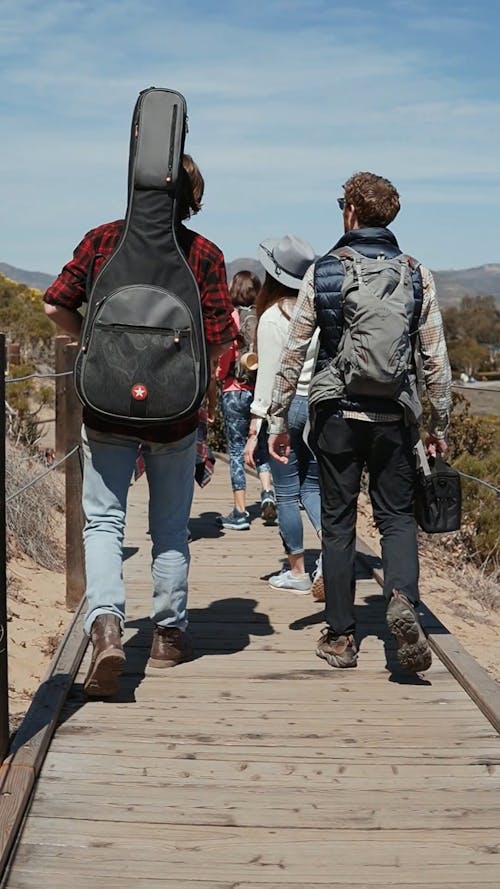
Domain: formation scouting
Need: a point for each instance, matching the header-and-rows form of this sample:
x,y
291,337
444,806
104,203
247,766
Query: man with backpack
x,y
110,448
379,320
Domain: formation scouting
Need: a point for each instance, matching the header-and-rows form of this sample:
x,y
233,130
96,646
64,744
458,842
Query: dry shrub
x,y
51,644
476,576
32,514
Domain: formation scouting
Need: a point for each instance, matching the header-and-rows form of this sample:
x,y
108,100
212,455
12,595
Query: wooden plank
x,y
259,856
59,880
220,730
165,748
289,690
19,771
128,766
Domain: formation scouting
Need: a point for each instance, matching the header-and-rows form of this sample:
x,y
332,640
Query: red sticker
x,y
139,392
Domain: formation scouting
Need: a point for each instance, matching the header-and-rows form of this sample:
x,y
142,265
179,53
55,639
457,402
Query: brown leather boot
x,y
170,647
108,657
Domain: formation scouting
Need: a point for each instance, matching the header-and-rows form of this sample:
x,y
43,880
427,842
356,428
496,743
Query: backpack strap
x,y
418,295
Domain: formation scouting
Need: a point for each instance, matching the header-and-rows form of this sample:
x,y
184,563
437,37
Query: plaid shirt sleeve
x,y
302,326
209,269
434,354
69,288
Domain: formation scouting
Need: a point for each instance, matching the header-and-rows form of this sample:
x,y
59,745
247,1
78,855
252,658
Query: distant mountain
x,y
38,280
484,280
245,265
452,284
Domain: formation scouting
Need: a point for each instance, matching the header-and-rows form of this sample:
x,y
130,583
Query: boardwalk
x,y
256,766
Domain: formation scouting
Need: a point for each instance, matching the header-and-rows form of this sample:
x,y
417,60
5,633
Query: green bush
x,y
23,320
468,433
24,402
473,449
481,509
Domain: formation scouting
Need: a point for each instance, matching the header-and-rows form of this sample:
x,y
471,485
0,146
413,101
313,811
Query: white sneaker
x,y
318,586
295,583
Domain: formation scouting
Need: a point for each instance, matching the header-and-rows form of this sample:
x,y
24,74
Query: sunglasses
x,y
341,203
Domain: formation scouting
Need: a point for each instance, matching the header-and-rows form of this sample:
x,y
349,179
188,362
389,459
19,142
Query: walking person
x,y
286,260
365,407
238,384
110,451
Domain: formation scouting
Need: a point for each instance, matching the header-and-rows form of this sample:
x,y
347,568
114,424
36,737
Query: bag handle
x,y
422,461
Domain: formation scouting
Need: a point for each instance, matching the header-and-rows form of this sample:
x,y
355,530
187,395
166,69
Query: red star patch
x,y
139,392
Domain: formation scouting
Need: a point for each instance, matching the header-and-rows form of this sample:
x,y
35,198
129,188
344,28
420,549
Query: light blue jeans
x,y
297,482
109,462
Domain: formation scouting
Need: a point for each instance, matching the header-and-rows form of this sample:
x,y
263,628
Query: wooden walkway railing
x,y
256,766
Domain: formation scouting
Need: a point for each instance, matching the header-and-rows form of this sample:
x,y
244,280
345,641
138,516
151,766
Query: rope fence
x,y
43,474
35,376
480,481
473,388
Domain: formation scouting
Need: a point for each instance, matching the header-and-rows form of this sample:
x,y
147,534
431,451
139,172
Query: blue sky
x,y
286,99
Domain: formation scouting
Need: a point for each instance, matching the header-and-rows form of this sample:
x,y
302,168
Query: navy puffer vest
x,y
328,280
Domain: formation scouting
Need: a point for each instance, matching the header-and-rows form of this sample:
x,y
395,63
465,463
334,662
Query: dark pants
x,y
343,448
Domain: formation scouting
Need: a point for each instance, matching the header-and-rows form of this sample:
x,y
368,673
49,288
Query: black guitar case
x,y
143,357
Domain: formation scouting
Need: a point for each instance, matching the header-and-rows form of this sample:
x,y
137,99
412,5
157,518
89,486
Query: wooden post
x,y
75,566
13,354
4,678
61,384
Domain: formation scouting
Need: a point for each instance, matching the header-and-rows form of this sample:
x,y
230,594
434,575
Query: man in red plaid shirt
x,y
110,452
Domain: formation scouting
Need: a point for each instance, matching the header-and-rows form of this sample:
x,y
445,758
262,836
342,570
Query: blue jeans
x,y
236,412
297,482
109,462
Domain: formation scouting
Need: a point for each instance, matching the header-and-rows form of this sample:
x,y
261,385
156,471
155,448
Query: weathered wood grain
x,y
256,766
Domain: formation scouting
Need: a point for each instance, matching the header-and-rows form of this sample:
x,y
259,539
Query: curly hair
x,y
374,198
244,288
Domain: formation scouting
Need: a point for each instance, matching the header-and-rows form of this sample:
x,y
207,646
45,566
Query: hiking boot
x,y
235,521
338,651
268,506
318,587
169,648
108,657
295,583
413,649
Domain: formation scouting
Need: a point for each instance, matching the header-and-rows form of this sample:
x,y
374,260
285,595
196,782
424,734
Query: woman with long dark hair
x,y
296,482
238,383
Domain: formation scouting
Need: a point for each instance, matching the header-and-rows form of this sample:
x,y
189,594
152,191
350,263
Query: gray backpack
x,y
375,353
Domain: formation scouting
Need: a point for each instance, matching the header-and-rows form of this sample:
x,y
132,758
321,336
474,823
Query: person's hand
x,y
279,447
210,413
250,448
434,446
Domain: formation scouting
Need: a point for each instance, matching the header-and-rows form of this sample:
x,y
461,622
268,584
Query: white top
x,y
272,334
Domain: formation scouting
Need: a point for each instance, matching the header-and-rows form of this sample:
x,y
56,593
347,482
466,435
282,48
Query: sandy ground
x,y
37,620
38,616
